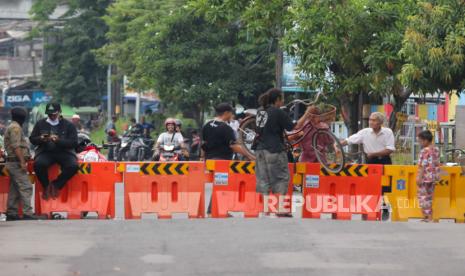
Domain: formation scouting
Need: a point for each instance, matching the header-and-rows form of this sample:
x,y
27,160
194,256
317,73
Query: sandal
x,y
46,194
284,215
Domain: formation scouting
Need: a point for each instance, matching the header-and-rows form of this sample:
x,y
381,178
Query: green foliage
x,y
347,47
192,63
434,46
70,70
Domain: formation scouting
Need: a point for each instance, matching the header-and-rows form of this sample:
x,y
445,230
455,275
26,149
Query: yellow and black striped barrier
x,y
242,167
164,169
85,168
353,170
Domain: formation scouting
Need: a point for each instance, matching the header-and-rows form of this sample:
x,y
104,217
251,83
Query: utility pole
x,y
109,96
137,106
279,67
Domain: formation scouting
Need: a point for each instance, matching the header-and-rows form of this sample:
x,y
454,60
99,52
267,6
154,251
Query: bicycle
x,y
458,158
326,145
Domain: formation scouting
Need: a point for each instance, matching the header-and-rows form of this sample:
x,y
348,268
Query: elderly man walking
x,y
378,141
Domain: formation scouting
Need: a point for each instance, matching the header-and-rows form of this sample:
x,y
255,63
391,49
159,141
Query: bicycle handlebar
x,y
454,150
307,103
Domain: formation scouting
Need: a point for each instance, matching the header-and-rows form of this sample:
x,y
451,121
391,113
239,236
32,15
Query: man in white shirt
x,y
378,142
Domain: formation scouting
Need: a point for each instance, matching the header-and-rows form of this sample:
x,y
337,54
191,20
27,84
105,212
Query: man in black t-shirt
x,y
219,139
271,169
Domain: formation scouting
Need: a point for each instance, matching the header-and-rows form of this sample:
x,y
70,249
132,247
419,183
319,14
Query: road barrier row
x,y
166,189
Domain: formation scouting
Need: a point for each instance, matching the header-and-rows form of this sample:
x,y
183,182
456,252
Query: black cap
x,y
223,107
52,108
18,111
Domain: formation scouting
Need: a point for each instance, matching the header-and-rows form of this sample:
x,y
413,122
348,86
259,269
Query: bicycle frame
x,y
306,129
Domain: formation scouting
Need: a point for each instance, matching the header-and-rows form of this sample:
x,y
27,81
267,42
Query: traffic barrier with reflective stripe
x,y
92,189
4,188
164,189
234,190
355,190
401,193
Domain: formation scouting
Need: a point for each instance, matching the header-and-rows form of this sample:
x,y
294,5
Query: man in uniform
x,y
17,150
55,139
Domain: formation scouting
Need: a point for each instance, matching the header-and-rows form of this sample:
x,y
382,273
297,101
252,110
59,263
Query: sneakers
x,y
12,217
54,192
25,217
284,215
45,194
385,215
33,217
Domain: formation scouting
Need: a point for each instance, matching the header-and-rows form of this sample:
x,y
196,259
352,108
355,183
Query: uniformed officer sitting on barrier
x,y
55,139
17,150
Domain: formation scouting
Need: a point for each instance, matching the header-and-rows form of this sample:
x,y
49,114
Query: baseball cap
x,y
76,116
52,108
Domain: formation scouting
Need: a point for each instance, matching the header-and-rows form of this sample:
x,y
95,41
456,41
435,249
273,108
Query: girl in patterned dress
x,y
428,173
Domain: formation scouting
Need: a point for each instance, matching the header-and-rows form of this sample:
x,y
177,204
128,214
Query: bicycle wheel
x,y
328,150
247,132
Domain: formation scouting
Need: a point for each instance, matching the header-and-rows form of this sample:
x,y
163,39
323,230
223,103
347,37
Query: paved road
x,y
231,247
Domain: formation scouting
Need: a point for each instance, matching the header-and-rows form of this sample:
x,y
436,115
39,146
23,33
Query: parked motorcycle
x,y
141,149
124,147
88,151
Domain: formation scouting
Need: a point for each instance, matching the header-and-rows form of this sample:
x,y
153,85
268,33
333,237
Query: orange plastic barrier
x,y
234,190
355,190
92,189
4,188
164,189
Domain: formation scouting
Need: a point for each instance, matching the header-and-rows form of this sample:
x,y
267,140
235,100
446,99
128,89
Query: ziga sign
x,y
26,98
18,99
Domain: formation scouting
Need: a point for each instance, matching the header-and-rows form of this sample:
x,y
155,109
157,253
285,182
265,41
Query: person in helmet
x,y
178,125
170,137
111,125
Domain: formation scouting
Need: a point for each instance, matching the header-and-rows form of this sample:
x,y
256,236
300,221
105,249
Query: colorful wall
x,y
430,111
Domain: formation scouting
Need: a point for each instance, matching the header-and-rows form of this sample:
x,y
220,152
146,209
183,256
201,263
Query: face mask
x,y
54,122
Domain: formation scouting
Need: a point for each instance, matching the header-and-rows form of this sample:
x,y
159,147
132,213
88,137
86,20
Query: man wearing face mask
x,y
55,139
17,150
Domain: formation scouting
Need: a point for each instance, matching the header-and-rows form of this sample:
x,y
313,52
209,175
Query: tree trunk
x,y
401,94
279,66
351,110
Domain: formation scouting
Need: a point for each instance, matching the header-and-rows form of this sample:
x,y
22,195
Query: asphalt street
x,y
230,247
233,246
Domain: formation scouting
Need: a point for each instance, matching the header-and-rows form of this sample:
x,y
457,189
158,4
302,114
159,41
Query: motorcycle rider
x,y
170,137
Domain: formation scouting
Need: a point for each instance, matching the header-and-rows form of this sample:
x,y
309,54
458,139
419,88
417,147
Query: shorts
x,y
272,172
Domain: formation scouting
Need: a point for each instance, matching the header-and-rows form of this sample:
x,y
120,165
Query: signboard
x,y
26,98
401,184
291,75
221,179
312,181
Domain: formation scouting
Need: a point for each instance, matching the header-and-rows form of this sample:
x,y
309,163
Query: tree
x,y
192,63
350,48
434,47
70,70
264,20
